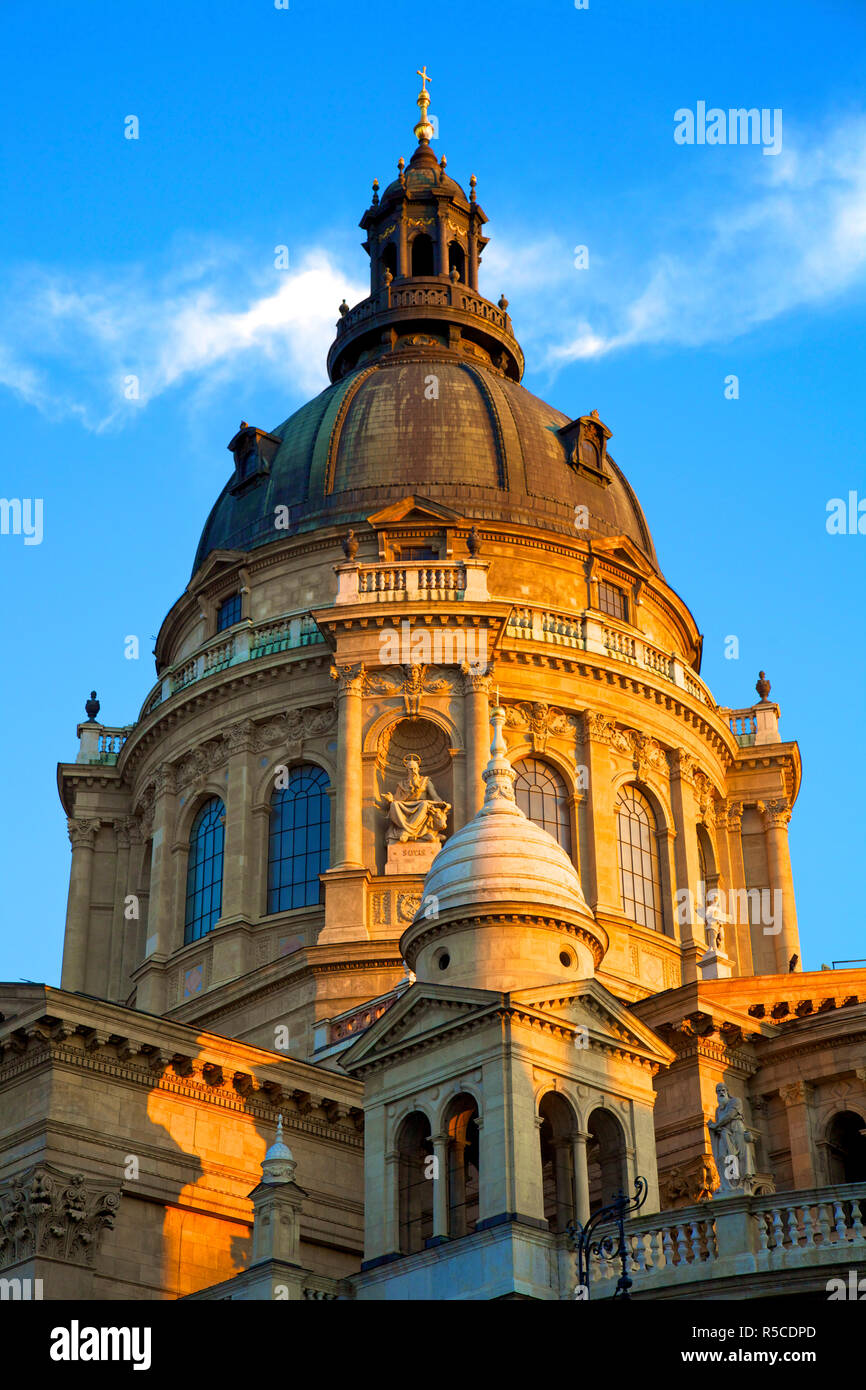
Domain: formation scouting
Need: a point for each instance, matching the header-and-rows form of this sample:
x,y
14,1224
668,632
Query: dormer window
x,y
585,440
229,612
254,451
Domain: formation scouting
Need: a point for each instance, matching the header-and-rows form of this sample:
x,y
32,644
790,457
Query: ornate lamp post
x,y
587,1241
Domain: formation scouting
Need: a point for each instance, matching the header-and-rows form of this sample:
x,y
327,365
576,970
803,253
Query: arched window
x,y
557,1160
300,839
456,259
541,795
461,1125
422,255
204,874
416,1178
640,880
389,258
846,1147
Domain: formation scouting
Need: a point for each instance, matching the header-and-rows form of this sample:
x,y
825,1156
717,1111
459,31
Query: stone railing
x,y
585,632
756,725
415,581
432,293
740,1238
244,642
99,744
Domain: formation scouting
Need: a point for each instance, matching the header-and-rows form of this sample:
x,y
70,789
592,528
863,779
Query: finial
x,y
762,686
499,775
423,130
344,309
473,542
401,165
91,706
503,303
279,1129
375,192
243,425
387,277
350,545
472,182
454,274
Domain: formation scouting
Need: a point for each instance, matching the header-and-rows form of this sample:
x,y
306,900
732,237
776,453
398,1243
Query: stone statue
x,y
733,1145
416,811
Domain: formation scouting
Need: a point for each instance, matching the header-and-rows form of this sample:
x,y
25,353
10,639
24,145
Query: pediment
x,y
589,1004
422,1012
622,548
216,561
412,508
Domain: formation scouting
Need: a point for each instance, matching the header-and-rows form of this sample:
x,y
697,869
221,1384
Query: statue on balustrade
x,y
733,1145
416,811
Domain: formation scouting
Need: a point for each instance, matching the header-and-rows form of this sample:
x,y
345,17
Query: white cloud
x,y
795,238
724,260
71,343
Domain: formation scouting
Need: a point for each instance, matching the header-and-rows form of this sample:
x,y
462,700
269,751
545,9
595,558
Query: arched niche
x,y
605,1158
556,1138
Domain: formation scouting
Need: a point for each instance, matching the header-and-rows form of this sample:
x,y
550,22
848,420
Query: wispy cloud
x,y
72,343
794,238
729,257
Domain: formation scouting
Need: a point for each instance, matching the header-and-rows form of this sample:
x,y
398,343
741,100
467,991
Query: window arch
x,y
541,794
415,1149
300,839
557,1160
638,853
461,1126
457,259
422,255
605,1158
389,258
204,873
846,1147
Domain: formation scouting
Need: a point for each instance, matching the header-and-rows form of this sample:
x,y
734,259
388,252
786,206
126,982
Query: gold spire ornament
x,y
424,129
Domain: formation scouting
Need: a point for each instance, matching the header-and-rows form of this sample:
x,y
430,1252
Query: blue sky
x,y
261,127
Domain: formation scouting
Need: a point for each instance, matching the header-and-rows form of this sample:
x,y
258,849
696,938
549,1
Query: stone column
x,y
391,1224
347,829
120,923
440,1186
601,885
579,1141
688,926
476,724
732,826
82,836
787,941
796,1098
239,828
165,931
563,1163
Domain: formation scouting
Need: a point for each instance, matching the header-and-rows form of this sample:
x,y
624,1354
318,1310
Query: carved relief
x,y
82,833
47,1212
687,1183
541,720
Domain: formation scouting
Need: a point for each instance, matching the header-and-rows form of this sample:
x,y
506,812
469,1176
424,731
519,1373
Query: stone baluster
x,y
823,1222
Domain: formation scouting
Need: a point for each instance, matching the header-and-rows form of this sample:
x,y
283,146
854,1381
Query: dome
x,y
502,901
485,446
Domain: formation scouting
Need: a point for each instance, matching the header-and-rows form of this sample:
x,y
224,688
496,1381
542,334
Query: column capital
x,y
82,833
776,813
349,678
797,1093
476,682
165,780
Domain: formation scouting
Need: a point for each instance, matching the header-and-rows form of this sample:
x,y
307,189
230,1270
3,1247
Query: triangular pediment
x,y
216,561
423,1012
588,1004
412,508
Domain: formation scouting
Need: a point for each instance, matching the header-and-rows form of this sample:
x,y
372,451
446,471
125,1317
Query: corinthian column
x,y
349,791
82,836
476,724
776,815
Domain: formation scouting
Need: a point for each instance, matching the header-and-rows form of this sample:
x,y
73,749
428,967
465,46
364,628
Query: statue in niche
x,y
416,811
733,1145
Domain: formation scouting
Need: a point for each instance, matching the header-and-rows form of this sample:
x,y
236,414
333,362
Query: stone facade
x,y
493,555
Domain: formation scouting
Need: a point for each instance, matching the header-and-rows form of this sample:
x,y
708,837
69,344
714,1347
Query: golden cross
x,y
422,73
